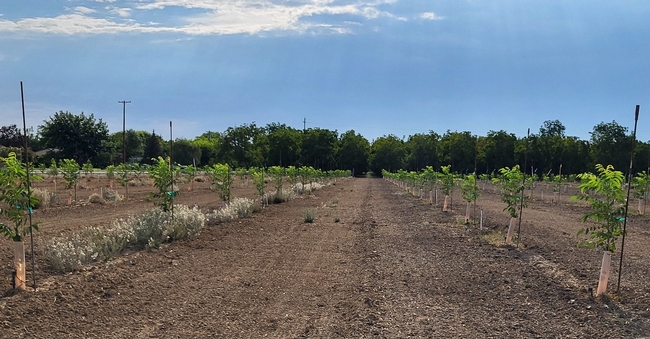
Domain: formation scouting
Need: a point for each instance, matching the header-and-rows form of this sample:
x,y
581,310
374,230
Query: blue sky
x,y
376,66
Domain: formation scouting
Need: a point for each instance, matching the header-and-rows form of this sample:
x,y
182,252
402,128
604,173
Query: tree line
x,y
84,138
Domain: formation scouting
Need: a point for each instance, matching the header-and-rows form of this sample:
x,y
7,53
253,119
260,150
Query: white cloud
x,y
430,16
84,10
220,17
123,12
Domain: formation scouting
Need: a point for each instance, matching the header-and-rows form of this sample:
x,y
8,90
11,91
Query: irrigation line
x,y
29,189
523,190
627,200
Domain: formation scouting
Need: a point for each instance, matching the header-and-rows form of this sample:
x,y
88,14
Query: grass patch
x,y
310,215
494,238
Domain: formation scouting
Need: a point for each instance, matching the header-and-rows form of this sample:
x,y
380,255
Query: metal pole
x,y
29,189
171,166
124,102
627,201
523,189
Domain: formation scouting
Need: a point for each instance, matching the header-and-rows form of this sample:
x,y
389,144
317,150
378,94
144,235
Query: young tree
x,y
70,169
447,181
511,181
221,179
17,202
163,177
87,168
640,184
470,192
608,211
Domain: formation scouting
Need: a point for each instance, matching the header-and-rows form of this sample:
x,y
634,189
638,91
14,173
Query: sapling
x,y
190,172
258,180
87,168
17,203
138,171
221,180
53,172
447,181
277,175
430,177
241,173
511,181
608,211
470,192
163,180
123,172
640,185
292,175
110,175
70,170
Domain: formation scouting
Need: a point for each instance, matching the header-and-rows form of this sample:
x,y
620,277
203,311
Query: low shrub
x,y
111,195
45,198
147,229
281,196
237,208
95,198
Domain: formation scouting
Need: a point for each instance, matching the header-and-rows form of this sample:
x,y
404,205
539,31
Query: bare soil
x,y
395,266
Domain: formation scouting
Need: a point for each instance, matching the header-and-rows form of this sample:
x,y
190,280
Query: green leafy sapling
x,y
123,172
190,172
447,181
222,180
163,179
110,175
640,184
70,170
259,181
53,172
469,192
511,182
608,207
15,199
87,168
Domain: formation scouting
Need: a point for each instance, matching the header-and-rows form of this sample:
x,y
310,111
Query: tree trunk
x,y
19,265
604,273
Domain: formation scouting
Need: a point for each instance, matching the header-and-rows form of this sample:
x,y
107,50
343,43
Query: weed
x,y
336,218
309,216
494,238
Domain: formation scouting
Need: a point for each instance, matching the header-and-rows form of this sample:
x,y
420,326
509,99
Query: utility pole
x,y
304,125
124,102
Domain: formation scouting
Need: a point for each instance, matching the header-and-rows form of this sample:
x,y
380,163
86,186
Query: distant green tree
x,y
78,137
152,149
319,148
284,146
389,153
610,144
422,151
185,152
458,150
353,152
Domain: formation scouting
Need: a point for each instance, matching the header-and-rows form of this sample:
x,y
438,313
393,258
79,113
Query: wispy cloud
x,y
123,12
84,10
219,17
430,16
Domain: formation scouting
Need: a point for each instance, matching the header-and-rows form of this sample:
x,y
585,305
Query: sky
x,y
378,67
